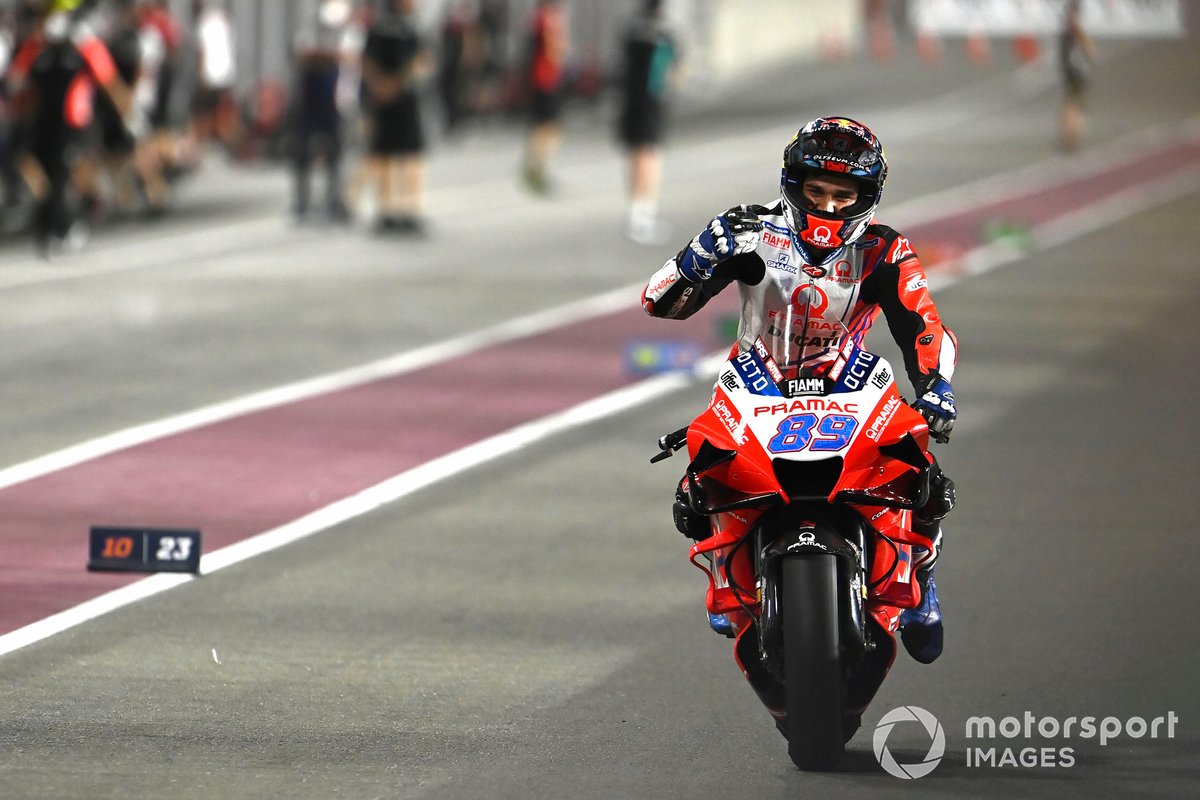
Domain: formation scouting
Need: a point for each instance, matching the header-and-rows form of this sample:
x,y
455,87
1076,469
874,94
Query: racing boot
x,y
921,627
721,624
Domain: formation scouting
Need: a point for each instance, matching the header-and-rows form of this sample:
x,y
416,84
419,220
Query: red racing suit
x,y
879,272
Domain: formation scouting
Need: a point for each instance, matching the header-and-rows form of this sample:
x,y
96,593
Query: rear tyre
x,y
812,663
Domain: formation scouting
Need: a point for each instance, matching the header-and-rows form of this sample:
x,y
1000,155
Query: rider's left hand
x,y
935,402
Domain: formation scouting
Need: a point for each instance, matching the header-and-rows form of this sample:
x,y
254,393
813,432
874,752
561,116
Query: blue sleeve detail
x,y
694,268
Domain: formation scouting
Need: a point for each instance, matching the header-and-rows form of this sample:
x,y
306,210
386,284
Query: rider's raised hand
x,y
736,231
936,404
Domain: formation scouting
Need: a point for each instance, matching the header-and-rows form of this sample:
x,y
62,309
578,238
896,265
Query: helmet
x,y
833,147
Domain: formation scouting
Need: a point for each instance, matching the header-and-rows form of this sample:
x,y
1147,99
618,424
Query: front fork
x,y
845,538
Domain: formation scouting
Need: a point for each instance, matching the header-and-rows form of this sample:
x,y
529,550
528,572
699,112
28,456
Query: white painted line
x,y
444,467
356,505
1044,174
391,366
90,609
1086,220
1097,216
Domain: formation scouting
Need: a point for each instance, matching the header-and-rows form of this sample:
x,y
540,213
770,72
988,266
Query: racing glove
x,y
729,234
935,402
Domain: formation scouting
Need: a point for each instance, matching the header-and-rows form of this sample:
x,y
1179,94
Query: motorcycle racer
x,y
818,248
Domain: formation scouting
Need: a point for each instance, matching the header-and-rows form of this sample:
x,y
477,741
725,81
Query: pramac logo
x,y
809,296
821,235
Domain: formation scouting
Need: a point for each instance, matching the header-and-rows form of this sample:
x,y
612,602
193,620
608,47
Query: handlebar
x,y
670,443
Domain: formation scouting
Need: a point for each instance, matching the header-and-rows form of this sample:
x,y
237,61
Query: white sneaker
x,y
76,238
647,230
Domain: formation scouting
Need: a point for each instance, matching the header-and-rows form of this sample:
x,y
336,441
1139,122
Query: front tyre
x,y
812,664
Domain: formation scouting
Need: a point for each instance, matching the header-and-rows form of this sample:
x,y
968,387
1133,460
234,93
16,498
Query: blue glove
x,y
729,234
936,404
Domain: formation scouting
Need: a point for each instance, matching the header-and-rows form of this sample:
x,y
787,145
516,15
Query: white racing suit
x,y
879,272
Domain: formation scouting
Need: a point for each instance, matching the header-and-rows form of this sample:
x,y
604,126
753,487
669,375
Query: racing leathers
x,y
847,288
879,272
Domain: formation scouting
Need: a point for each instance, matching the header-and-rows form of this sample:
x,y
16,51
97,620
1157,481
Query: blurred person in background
x,y
354,104
460,61
53,77
493,31
818,247
548,46
10,178
880,35
1076,53
394,63
127,154
214,108
317,113
161,63
651,56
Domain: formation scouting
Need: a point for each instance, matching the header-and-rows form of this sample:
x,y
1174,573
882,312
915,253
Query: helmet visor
x,y
841,147
794,179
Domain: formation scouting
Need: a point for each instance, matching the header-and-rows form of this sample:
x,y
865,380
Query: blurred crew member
x,y
54,75
127,151
214,110
1076,52
460,61
317,114
394,63
160,73
651,55
548,46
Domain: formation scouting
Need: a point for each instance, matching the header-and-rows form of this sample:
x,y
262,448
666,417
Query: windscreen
x,y
802,343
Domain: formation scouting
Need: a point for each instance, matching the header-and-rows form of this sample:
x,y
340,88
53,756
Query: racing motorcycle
x,y
803,479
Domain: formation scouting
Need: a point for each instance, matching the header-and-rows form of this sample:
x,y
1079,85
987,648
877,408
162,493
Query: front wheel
x,y
812,663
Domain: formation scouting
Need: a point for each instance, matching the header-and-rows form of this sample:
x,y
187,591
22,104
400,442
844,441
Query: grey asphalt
x,y
531,627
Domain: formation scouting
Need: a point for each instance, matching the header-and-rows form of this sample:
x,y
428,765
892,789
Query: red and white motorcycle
x,y
808,477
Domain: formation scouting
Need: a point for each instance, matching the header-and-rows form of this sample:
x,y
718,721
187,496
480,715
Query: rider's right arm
x,y
670,295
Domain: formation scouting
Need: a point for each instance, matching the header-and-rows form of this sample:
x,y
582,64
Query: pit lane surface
x,y
532,625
